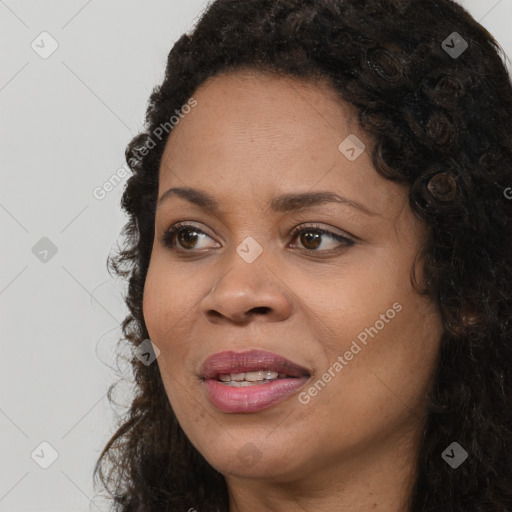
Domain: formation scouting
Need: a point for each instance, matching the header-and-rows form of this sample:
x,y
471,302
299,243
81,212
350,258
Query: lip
x,y
249,361
255,397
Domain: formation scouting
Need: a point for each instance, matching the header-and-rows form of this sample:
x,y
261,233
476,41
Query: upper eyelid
x,y
313,225
310,224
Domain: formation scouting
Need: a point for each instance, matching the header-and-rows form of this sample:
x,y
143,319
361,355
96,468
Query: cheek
x,y
154,305
168,295
349,299
165,317
170,308
388,335
163,310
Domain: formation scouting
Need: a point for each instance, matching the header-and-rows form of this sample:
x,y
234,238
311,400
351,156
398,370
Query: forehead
x,y
254,120
282,100
253,134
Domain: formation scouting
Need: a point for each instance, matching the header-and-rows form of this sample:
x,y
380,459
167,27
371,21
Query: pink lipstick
x,y
244,382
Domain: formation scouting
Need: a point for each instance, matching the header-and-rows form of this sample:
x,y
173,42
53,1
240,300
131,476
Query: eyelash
x,y
168,238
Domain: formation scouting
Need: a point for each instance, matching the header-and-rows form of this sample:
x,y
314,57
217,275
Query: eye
x,y
184,237
311,238
186,234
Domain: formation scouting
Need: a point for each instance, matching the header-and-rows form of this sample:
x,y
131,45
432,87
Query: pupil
x,y
308,238
188,239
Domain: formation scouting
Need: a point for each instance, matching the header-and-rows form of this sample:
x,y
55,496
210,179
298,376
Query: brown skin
x,y
353,446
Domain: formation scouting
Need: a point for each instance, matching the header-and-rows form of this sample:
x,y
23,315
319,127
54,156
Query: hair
x,y
441,125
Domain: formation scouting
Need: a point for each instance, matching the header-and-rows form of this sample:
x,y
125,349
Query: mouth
x,y
242,382
253,366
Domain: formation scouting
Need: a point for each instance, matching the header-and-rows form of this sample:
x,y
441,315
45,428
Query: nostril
x,y
261,310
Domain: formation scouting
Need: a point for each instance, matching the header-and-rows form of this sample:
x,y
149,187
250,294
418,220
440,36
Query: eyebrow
x,y
283,203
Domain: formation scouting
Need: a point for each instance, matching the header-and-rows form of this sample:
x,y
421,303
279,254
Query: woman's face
x,y
349,346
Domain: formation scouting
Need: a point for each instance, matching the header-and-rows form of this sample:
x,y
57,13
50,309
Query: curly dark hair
x,y
441,124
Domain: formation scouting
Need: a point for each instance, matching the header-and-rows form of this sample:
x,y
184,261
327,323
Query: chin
x,y
261,456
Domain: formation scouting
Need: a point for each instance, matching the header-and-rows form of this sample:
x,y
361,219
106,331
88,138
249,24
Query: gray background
x,y
65,121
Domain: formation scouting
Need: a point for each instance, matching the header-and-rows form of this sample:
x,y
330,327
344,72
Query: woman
x,y
319,249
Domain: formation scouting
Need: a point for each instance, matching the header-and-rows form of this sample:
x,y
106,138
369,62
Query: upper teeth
x,y
251,376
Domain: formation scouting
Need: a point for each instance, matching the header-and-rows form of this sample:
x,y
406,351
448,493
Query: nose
x,y
248,291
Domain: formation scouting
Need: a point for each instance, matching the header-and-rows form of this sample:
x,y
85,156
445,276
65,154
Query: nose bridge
x,y
248,284
246,266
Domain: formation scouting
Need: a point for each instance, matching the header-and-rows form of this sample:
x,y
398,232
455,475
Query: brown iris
x,y
308,237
